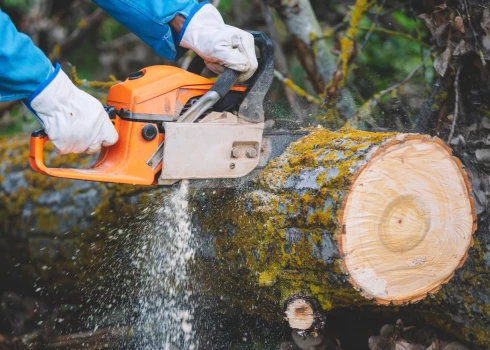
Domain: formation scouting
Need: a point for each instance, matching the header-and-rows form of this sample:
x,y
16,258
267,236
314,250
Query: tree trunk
x,y
315,55
389,213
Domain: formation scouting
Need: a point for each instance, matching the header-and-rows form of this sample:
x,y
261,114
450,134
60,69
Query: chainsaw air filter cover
x,y
157,93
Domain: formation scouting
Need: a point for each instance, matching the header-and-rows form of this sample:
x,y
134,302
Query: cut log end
x,y
304,314
407,221
299,314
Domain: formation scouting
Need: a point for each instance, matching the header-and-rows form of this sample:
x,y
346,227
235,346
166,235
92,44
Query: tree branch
x,y
281,62
456,104
299,91
93,84
395,33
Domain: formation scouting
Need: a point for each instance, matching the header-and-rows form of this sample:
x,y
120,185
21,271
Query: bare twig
x,y
85,27
456,104
373,25
299,91
347,51
480,52
395,33
281,62
365,110
123,40
93,84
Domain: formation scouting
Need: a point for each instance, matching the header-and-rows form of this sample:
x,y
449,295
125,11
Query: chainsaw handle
x,y
36,159
225,82
38,139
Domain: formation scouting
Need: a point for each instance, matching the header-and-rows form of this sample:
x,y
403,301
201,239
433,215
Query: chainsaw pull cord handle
x,y
224,83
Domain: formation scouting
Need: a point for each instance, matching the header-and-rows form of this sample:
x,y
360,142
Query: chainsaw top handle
x,y
225,82
251,105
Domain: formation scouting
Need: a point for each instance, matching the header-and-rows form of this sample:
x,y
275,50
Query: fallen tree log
x,y
390,213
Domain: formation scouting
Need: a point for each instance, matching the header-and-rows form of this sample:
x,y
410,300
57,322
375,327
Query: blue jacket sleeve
x,y
148,19
23,66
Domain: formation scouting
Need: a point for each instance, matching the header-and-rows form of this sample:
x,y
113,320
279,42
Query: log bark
x,y
287,230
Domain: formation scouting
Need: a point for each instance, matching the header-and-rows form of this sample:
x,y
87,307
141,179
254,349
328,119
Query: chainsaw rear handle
x,y
38,139
36,157
124,162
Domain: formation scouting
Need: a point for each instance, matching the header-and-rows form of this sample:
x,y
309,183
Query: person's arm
x,y
23,66
150,21
74,121
170,27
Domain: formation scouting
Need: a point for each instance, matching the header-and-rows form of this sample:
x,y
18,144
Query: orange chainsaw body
x,y
175,124
156,91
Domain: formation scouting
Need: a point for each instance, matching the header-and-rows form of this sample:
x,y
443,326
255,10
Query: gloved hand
x,y
74,121
220,45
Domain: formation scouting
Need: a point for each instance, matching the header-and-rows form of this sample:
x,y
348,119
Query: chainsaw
x,y
175,124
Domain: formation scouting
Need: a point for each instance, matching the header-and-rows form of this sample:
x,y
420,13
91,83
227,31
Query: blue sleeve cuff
x,y
41,87
188,19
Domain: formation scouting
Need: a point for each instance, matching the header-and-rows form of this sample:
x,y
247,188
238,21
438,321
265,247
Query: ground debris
x,y
399,337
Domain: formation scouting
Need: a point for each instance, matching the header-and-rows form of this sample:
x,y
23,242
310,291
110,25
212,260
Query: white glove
x,y
220,45
74,121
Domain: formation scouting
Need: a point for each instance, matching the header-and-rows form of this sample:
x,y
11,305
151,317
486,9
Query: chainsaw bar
x,y
275,143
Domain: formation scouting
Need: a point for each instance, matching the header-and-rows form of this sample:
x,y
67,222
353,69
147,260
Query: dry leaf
x,y
377,343
441,7
485,123
442,62
440,31
486,42
455,346
483,155
387,331
458,24
468,130
461,49
428,22
485,22
455,141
